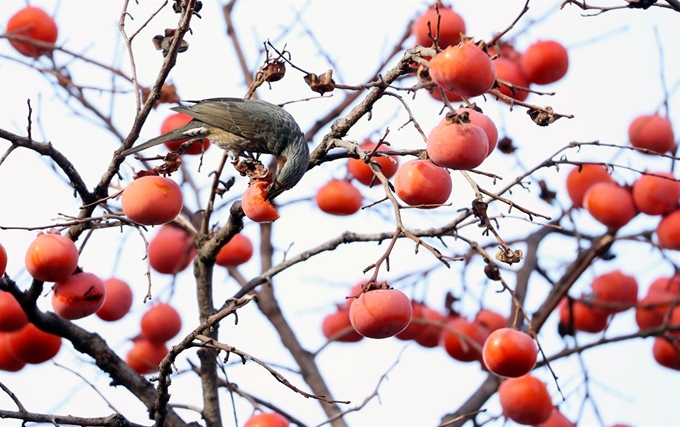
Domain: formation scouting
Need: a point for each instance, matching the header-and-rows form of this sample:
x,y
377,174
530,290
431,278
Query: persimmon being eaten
x,y
255,204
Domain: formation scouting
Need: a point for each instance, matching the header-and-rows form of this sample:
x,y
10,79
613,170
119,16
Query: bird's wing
x,y
249,119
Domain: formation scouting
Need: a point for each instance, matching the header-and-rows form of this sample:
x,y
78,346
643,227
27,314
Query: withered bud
x,y
321,84
274,71
542,118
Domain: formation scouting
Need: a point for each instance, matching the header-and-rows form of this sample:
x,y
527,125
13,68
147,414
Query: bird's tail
x,y
175,135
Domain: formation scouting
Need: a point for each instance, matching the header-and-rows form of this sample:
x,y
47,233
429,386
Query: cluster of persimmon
x,y
615,292
159,324
464,69
653,193
52,257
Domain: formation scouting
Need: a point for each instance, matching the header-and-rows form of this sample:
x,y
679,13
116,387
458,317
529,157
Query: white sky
x,y
614,76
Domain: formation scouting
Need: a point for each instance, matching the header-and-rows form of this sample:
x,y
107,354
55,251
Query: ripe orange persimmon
x,y
160,323
145,356
652,132
255,205
490,319
338,323
267,419
78,296
32,345
464,69
655,195
581,178
545,62
457,146
652,308
582,317
12,316
668,231
429,336
609,204
51,257
466,344
363,172
508,352
339,197
482,120
525,400
152,200
665,284
451,26
511,72
118,300
176,120
237,251
556,419
666,354
615,288
34,23
171,250
381,313
421,182
9,361
3,260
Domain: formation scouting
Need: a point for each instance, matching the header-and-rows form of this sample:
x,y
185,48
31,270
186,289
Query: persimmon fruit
x,y
668,231
652,132
465,345
666,354
582,316
482,120
428,337
619,291
490,319
33,345
36,24
525,400
255,204
556,419
171,250
363,173
464,69
339,197
152,200
51,257
267,419
160,323
508,352
176,120
511,72
609,204
12,316
457,146
451,26
421,182
657,193
118,300
338,325
237,251
545,62
414,328
9,361
145,356
380,313
78,296
581,178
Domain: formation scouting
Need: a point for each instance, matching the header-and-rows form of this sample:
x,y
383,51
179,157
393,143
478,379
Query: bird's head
x,y
291,167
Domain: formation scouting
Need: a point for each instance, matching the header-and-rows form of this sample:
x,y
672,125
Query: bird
x,y
244,126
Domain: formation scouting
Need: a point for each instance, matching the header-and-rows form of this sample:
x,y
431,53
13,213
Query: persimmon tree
x,y
488,228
